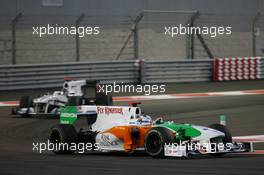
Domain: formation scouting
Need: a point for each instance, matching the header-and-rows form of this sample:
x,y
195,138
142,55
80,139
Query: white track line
x,y
190,95
9,103
171,96
252,138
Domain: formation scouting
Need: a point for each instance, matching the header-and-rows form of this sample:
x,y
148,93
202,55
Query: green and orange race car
x,y
128,129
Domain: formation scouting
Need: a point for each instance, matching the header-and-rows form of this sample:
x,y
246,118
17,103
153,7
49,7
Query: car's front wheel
x,y
155,141
25,102
225,130
225,140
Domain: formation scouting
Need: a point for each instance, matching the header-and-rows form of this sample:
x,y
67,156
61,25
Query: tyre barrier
x,y
238,68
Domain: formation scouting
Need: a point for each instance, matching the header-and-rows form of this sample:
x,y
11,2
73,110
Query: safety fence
x,y
128,37
21,43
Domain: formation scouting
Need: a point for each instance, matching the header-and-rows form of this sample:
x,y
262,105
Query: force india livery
x,y
122,128
128,129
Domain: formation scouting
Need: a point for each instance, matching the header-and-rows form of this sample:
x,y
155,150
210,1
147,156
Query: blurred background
x,y
129,30
131,46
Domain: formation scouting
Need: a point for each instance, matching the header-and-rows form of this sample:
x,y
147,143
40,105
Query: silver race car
x,y
74,92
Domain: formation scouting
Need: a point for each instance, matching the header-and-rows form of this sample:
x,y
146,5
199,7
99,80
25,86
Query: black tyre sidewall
x,y
67,134
103,99
165,138
225,130
25,102
74,101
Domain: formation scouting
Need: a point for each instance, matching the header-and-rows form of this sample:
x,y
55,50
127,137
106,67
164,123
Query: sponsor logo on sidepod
x,y
108,110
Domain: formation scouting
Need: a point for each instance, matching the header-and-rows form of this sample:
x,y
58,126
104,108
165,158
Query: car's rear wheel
x,y
74,101
63,136
103,99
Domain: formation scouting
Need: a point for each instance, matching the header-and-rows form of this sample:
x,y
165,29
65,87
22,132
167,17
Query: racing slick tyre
x,y
65,135
226,139
74,101
77,101
25,102
155,140
103,99
225,130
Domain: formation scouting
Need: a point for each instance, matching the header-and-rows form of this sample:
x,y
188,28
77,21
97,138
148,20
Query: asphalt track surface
x,y
244,117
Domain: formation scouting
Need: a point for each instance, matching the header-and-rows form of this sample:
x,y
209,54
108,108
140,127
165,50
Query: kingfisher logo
x,y
108,110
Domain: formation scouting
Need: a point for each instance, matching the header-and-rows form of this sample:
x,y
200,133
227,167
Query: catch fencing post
x,y
135,30
190,39
254,31
14,22
136,41
77,23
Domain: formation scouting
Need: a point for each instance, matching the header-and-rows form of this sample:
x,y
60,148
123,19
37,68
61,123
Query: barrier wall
x,y
52,75
131,71
171,71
